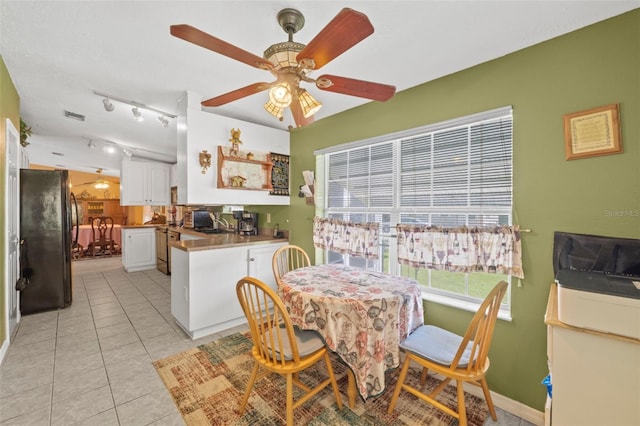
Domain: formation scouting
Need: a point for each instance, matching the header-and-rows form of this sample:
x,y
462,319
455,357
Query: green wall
x,y
9,108
594,66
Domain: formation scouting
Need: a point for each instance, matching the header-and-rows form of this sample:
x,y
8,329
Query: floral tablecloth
x,y
362,316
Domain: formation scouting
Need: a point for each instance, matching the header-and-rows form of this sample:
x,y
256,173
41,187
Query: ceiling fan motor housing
x,y
291,21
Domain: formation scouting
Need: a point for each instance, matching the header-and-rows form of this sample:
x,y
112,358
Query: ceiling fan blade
x,y
360,88
298,116
196,36
236,94
348,28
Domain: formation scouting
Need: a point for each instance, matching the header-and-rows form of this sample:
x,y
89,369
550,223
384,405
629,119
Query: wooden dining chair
x,y
460,358
110,244
280,348
77,251
101,236
287,258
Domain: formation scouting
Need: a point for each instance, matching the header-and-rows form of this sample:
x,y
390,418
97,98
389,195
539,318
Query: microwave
x,y
196,219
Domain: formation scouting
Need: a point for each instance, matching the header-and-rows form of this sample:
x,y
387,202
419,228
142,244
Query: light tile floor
x,y
90,364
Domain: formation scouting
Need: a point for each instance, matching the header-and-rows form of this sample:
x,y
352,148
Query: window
x,y
453,173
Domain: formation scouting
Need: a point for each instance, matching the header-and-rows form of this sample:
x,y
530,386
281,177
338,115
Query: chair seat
x,y
436,345
308,342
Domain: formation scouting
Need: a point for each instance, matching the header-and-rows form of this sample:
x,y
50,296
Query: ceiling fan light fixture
x,y
108,106
280,95
283,55
137,114
308,103
101,184
274,110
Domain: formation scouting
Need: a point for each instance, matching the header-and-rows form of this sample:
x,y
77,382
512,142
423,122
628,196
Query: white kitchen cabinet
x,y
138,249
595,376
259,263
145,183
203,285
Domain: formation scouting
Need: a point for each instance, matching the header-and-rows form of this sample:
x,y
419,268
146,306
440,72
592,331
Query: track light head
x,y
126,152
163,121
108,106
137,114
91,145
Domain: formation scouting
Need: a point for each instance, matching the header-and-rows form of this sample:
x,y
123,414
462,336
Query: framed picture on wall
x,y
592,132
280,174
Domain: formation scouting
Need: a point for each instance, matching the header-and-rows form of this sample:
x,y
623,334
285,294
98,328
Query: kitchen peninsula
x,y
204,273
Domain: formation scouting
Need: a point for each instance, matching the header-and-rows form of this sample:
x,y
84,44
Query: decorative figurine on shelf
x,y
205,160
235,142
249,155
237,181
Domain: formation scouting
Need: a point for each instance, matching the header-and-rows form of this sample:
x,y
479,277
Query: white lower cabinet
x,y
203,285
138,249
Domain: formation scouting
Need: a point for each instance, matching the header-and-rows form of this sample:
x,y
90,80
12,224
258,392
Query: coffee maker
x,y
247,223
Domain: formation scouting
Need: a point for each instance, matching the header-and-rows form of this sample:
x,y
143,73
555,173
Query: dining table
x,y
85,235
362,316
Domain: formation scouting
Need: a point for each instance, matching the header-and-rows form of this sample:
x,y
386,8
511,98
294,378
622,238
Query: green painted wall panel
x,y
591,67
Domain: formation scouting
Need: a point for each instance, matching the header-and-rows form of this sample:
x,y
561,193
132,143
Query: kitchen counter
x,y
140,226
218,241
204,273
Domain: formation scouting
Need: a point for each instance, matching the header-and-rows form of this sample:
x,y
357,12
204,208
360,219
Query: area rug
x,y
207,384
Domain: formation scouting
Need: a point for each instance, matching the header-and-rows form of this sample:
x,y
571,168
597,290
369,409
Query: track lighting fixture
x,y
126,152
91,145
108,106
137,106
137,114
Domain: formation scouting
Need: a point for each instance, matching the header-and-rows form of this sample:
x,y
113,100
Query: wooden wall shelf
x,y
240,172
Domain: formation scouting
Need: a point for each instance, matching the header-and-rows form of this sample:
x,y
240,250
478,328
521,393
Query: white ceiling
x,y
58,53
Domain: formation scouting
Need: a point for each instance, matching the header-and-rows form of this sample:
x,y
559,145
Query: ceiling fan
x,y
292,63
99,183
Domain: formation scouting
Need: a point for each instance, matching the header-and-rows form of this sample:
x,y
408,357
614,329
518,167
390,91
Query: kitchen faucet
x,y
224,222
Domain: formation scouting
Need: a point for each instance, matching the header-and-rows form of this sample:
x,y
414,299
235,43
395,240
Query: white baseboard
x,y
509,405
3,350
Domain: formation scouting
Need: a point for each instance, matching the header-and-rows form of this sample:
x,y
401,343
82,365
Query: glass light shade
x,y
101,184
283,55
274,110
280,95
308,103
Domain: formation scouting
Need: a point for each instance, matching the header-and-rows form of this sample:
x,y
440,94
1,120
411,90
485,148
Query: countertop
x,y
217,241
139,226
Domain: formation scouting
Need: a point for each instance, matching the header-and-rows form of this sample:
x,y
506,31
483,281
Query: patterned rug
x,y
207,384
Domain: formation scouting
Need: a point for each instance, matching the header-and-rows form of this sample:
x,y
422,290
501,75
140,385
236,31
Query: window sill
x,y
465,305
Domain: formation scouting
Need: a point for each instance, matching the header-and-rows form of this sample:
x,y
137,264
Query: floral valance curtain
x,y
357,239
461,249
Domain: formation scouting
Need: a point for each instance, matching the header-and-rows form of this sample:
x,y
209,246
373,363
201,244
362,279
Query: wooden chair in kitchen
x,y
287,258
77,251
460,358
113,246
280,348
102,237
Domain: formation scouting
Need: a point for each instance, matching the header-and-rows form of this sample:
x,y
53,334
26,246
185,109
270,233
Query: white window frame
x,y
460,301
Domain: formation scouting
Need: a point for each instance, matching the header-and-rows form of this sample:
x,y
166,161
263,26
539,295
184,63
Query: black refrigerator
x,y
45,229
